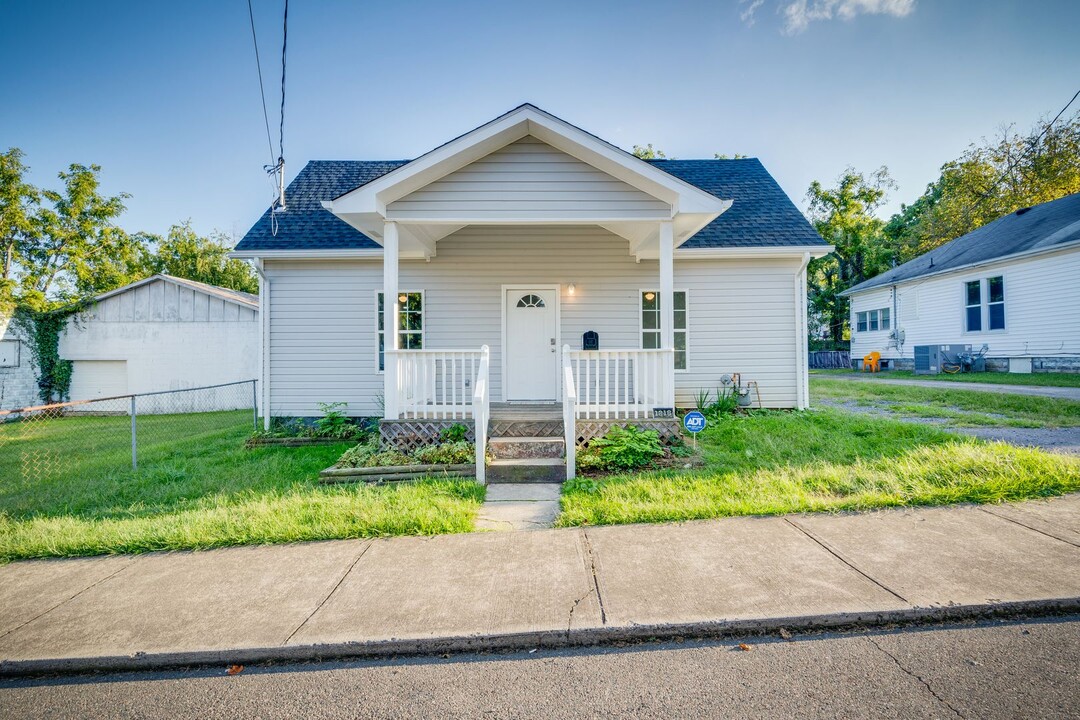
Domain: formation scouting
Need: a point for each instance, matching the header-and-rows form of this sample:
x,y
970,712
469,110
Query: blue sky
x,y
165,97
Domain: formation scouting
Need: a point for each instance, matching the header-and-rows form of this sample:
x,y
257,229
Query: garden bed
x,y
254,442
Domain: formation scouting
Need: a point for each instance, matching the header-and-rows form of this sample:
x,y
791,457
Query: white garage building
x,y
164,333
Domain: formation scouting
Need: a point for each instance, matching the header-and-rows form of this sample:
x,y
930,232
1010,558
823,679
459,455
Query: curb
x,y
142,662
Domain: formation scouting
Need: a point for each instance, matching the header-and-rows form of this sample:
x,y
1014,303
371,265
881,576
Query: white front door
x,y
531,346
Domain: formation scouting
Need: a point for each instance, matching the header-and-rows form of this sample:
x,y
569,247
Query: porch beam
x,y
667,307
390,319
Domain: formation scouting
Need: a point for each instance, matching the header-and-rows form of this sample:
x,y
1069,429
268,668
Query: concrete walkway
x,y
544,588
1062,393
519,506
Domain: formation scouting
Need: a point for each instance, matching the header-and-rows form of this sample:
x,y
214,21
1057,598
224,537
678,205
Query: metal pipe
x,y
134,442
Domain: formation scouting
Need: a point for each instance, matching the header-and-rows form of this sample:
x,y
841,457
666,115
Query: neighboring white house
x,y
1013,285
164,333
18,376
524,236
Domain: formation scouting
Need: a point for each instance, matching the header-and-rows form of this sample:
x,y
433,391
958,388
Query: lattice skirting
x,y
670,431
408,435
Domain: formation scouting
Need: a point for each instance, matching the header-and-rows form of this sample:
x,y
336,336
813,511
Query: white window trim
x,y
868,313
423,323
641,324
984,304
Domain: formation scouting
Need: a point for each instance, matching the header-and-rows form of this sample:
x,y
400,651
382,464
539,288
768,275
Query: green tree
x,y
844,216
184,253
991,179
648,152
18,205
77,249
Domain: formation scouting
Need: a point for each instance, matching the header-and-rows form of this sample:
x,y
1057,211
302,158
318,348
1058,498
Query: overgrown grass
x,y
993,378
67,489
958,407
773,462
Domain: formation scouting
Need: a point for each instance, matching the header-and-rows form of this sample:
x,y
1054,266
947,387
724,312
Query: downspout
x,y
802,372
264,341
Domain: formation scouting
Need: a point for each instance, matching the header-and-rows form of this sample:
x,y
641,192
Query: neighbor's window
x,y
410,323
995,303
872,320
650,324
973,305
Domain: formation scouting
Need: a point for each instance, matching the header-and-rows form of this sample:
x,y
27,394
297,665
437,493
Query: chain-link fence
x,y
86,438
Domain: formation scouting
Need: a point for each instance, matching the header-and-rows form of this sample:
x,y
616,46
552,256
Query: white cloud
x,y
798,14
747,15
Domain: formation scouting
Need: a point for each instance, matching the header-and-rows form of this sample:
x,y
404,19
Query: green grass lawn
x,y
965,408
998,378
67,489
779,462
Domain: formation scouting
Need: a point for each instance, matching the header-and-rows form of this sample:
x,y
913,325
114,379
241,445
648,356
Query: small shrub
x,y
455,433
447,453
335,423
682,450
627,448
588,459
581,484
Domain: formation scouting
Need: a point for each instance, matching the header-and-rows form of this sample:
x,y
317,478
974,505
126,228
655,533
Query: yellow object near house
x,y
872,362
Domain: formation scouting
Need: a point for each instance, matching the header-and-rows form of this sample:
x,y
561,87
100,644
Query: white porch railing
x,y
613,384
481,413
434,384
569,410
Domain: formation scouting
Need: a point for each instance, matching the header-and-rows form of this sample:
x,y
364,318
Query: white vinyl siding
x,y
532,178
741,314
1040,309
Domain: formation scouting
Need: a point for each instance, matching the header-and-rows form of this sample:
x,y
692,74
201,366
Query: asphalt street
x,y
1014,669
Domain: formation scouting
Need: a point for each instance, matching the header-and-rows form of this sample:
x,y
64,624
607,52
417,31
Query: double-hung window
x,y
873,320
650,324
984,304
410,323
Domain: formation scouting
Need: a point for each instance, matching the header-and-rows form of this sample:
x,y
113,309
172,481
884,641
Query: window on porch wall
x,y
411,325
650,324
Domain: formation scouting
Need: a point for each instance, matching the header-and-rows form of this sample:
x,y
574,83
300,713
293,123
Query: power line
x,y
284,45
262,87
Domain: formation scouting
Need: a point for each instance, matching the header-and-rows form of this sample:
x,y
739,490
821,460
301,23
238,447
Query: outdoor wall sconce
x,y
571,288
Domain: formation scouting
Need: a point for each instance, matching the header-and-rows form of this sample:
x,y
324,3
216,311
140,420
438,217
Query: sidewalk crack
x,y
916,676
844,560
66,600
595,580
329,594
1024,525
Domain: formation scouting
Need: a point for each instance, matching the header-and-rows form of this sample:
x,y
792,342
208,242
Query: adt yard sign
x,y
694,422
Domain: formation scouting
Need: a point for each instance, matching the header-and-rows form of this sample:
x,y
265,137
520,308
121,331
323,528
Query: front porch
x,y
436,389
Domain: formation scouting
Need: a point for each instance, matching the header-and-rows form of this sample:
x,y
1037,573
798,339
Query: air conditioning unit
x,y
929,358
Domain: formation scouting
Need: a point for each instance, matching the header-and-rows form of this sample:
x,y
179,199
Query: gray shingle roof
x,y
1041,227
761,215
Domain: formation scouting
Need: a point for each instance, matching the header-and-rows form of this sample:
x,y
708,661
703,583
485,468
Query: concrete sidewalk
x,y
540,588
1061,393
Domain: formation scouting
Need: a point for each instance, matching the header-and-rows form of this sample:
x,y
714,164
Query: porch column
x,y
390,319
667,307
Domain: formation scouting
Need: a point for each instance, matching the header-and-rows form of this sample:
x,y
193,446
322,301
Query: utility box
x,y
929,358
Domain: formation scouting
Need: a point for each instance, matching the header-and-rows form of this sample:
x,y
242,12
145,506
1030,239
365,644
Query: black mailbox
x,y
590,340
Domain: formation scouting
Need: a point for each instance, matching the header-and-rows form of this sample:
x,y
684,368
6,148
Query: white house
x,y
1013,285
164,333
530,262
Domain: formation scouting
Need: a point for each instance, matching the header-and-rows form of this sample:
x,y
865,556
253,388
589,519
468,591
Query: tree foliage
x,y
18,203
989,180
186,254
648,152
844,215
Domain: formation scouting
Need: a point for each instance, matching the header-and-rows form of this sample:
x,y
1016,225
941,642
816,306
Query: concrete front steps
x,y
526,460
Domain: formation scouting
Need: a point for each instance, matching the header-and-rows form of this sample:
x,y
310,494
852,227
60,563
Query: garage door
x,y
98,378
